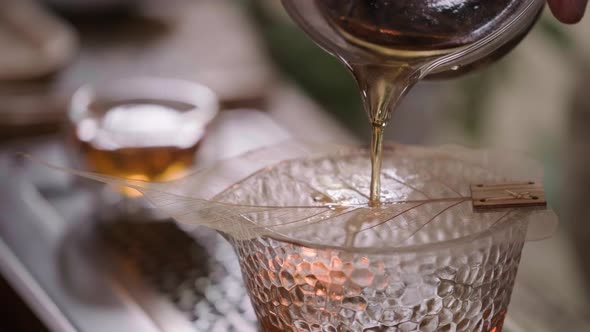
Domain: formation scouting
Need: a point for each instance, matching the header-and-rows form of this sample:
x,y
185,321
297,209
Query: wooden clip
x,y
507,195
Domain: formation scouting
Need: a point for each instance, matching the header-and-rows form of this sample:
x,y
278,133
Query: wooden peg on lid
x,y
508,195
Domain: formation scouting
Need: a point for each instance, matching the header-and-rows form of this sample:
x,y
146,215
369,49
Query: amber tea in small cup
x,y
143,128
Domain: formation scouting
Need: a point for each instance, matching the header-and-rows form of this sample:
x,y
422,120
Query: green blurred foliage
x,y
319,74
474,95
554,33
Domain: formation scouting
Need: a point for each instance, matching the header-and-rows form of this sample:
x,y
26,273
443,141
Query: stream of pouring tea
x,y
397,38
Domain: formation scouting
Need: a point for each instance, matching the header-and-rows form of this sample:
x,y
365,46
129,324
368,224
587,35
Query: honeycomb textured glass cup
x,y
315,257
464,287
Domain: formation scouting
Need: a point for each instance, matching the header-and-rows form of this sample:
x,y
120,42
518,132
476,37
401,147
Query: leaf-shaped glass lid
x,y
317,195
427,198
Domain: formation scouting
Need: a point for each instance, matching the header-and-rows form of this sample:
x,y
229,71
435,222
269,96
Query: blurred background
x,y
272,82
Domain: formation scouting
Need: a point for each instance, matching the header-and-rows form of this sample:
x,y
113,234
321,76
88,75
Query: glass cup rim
x,y
412,249
199,95
466,240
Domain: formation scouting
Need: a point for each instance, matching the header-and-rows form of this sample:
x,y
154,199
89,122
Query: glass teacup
x,y
142,128
426,260
454,286
315,256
